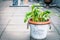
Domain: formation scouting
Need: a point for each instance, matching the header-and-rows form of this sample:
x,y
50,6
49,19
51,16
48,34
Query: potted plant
x,y
39,22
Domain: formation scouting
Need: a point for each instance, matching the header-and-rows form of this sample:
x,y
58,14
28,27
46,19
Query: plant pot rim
x,y
39,23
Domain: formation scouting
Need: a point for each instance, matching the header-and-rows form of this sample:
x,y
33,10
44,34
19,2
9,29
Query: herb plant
x,y
37,15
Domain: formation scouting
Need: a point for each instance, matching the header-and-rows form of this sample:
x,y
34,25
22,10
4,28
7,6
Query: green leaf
x,y
28,15
32,6
47,11
25,20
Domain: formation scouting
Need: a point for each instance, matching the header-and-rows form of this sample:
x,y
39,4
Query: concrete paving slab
x,y
16,27
56,21
4,21
21,10
53,36
15,35
2,28
17,20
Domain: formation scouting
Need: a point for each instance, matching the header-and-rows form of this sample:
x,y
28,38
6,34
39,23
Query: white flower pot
x,y
39,31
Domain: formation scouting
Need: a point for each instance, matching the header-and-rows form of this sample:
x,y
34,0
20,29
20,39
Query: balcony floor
x,y
12,26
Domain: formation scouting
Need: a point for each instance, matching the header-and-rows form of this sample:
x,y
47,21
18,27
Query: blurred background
x,y
12,12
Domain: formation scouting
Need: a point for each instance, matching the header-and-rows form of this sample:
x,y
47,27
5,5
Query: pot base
x,y
31,38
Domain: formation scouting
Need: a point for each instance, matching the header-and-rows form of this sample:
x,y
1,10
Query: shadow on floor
x,y
36,39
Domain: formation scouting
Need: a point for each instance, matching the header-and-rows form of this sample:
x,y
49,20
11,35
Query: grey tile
x,y
4,21
2,27
16,35
17,20
17,27
53,36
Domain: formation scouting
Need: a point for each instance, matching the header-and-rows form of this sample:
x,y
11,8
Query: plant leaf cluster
x,y
37,15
